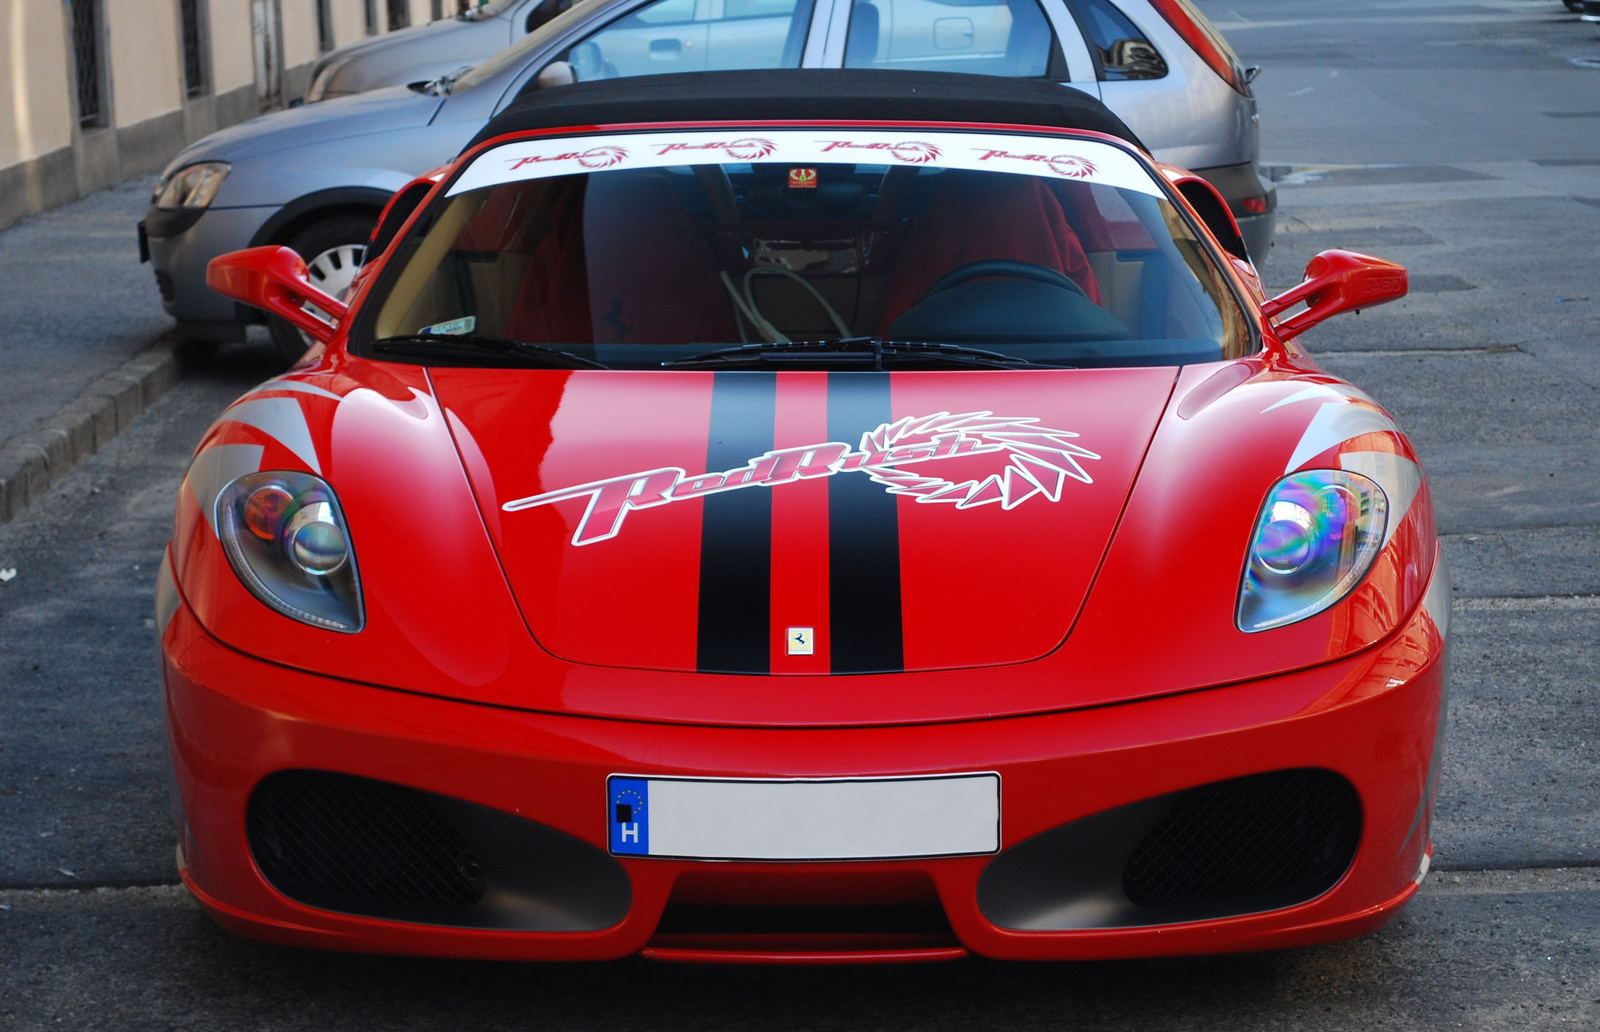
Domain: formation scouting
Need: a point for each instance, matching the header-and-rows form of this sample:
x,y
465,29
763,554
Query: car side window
x,y
696,36
1123,50
984,37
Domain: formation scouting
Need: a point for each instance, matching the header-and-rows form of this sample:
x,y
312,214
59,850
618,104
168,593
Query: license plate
x,y
833,819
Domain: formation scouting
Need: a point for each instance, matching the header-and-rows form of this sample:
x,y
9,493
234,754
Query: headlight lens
x,y
192,186
1316,537
286,539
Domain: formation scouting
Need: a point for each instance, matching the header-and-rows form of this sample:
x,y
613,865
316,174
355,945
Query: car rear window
x,y
981,37
637,249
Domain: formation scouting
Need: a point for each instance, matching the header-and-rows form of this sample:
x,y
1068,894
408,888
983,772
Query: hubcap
x,y
333,270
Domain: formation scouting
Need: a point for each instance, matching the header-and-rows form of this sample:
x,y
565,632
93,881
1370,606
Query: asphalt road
x,y
76,301
1414,129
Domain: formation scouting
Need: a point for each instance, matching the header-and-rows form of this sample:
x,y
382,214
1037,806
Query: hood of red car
x,y
801,523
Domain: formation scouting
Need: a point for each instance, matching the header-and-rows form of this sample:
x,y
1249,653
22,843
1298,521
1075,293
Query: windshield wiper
x,y
444,85
859,350
429,345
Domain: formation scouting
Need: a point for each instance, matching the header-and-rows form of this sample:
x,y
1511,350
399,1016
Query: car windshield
x,y
640,250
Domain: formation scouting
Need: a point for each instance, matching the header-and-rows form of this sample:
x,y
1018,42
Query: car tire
x,y
332,249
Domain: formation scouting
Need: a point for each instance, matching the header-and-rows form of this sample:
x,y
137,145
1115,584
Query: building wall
x,y
232,54
146,68
46,158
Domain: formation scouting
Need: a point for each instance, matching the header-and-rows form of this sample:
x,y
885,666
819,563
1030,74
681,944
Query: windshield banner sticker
x,y
594,157
1065,165
1036,462
751,149
912,152
1034,154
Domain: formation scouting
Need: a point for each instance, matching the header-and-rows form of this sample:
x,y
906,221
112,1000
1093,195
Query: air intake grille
x,y
1290,832
1215,216
328,838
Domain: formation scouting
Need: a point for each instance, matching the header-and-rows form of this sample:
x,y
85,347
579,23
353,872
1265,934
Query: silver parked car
x,y
315,177
428,51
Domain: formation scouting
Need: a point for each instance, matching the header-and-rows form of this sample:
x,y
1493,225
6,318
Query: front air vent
x,y
359,846
1241,846
332,837
1292,831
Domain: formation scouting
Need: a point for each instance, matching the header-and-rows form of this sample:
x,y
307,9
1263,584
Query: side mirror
x,y
556,73
1337,281
275,279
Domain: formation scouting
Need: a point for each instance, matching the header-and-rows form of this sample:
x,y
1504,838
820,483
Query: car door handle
x,y
665,48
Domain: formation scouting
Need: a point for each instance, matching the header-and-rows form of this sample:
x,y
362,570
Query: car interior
x,y
720,254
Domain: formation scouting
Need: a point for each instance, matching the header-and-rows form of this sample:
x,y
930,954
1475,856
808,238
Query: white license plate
x,y
835,819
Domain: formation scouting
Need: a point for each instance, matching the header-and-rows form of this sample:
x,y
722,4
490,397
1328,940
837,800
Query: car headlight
x,y
286,539
1316,537
192,186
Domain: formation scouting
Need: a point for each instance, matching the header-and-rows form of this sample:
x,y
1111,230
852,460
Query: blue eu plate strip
x,y
629,816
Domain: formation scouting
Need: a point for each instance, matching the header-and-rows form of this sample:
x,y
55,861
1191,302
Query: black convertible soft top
x,y
782,94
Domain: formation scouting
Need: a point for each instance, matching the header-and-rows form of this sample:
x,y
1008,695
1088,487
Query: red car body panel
x,y
1371,717
633,601
1062,644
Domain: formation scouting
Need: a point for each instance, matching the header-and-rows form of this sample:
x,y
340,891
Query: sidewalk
x,y
74,302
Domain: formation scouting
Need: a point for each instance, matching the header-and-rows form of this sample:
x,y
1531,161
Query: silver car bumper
x,y
180,261
1257,231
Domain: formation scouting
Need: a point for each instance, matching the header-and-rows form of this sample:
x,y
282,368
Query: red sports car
x,y
884,523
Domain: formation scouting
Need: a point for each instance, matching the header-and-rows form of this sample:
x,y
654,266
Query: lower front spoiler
x,y
235,720
1172,941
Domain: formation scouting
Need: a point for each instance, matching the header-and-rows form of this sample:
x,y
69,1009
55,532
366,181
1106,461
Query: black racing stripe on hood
x,y
736,531
864,619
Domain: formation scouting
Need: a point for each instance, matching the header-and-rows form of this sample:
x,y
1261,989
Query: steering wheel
x,y
1005,268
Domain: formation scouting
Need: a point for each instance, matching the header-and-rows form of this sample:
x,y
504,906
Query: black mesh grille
x,y
164,284
1216,218
1290,832
329,838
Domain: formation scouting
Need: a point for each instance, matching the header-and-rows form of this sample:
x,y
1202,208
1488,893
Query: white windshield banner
x,y
1050,157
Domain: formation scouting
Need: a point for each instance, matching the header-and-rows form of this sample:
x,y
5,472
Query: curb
x,y
35,459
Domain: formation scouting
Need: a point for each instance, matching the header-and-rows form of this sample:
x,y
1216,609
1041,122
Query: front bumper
x,y
179,251
235,720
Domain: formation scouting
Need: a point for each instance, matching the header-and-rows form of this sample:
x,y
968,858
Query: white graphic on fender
x,y
1039,461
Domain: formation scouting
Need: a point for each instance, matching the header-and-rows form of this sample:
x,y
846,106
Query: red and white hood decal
x,y
801,522
1041,460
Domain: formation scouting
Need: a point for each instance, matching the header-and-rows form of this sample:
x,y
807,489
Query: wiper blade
x,y
853,349
444,85
430,345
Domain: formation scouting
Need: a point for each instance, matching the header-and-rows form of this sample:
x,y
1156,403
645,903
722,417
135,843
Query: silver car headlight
x,y
192,186
1318,534
286,539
